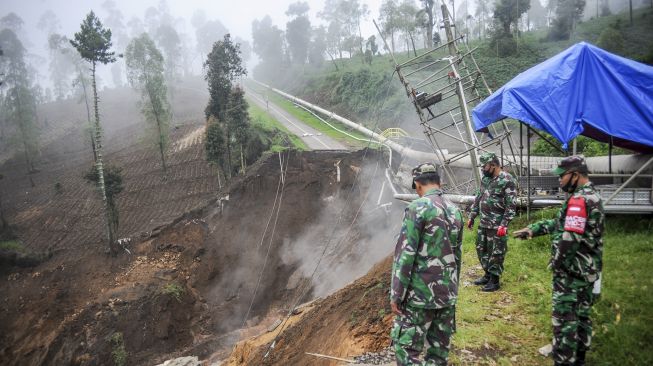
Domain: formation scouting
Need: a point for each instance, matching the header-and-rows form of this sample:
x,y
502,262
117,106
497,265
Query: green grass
x,y
174,290
312,121
118,352
516,320
275,129
13,245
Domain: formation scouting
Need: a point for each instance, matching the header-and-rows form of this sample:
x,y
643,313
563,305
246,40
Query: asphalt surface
x,y
313,138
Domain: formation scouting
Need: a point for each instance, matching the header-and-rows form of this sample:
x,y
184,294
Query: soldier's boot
x,y
580,358
482,280
492,285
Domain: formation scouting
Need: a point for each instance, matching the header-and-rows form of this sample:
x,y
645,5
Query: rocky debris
x,y
376,358
546,350
182,361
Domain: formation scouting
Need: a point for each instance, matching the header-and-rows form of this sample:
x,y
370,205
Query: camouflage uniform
x,y
576,261
424,281
495,202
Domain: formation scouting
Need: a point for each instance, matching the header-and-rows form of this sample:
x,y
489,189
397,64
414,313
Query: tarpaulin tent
x,y
583,90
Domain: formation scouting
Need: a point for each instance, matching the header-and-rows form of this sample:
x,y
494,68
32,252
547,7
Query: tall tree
x,y
298,32
408,25
223,66
93,42
238,121
507,13
170,44
113,183
567,14
429,8
390,20
207,34
3,222
318,46
19,100
267,43
62,65
145,72
482,13
536,15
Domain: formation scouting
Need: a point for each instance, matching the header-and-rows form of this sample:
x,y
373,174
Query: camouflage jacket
x,y
572,253
495,201
427,255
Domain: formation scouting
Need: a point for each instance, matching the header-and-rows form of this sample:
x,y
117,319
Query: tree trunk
x,y
413,42
3,223
332,60
228,173
158,125
88,111
242,160
23,133
429,28
99,165
360,40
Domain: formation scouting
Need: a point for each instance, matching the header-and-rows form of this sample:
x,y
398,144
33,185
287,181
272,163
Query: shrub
x,y
173,290
118,352
611,40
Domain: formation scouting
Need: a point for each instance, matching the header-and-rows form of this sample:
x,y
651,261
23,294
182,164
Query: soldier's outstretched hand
x,y
524,233
470,224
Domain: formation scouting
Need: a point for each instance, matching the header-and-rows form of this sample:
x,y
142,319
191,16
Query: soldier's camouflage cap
x,y
489,157
574,163
423,168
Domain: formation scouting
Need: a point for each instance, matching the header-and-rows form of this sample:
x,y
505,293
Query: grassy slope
x,y
269,124
516,321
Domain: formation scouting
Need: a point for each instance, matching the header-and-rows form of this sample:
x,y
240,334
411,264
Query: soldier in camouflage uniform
x,y
495,202
425,272
576,260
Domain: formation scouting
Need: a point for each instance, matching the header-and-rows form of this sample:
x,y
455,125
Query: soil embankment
x,y
187,285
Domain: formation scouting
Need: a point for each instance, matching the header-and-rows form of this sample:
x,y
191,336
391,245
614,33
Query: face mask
x,y
570,187
488,173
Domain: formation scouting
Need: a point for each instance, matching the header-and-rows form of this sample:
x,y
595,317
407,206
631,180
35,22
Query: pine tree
x,y
93,42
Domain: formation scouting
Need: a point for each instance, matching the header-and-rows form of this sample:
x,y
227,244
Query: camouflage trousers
x,y
572,327
491,250
416,324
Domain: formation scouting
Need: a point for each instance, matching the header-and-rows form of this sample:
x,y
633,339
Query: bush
x,y
118,352
173,290
611,40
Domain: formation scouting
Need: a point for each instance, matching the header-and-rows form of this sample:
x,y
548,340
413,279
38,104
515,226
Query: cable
x,y
326,247
281,184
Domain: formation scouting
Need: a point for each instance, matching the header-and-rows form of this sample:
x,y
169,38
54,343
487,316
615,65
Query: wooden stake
x,y
331,357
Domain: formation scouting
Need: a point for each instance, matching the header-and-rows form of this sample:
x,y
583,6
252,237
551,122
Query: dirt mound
x,y
186,287
350,322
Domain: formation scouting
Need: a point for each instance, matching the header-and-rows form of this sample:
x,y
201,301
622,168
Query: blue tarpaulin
x,y
582,90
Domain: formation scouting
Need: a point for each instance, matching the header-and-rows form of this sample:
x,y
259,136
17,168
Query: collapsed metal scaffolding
x,y
444,84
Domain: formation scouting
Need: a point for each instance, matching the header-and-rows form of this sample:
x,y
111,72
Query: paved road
x,y
313,138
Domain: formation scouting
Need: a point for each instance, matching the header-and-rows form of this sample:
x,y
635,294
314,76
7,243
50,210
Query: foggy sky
x,y
237,16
